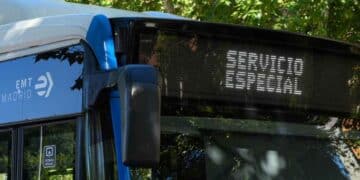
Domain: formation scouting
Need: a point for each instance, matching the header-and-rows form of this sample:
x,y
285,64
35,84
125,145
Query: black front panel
x,y
251,71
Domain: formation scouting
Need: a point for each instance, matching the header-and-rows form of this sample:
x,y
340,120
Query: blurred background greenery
x,y
335,19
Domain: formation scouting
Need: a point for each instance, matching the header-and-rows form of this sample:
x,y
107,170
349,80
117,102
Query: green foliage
x,y
336,19
5,153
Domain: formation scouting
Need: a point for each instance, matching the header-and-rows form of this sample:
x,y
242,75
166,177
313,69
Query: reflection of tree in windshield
x,y
354,85
354,82
221,148
182,157
72,54
275,157
350,126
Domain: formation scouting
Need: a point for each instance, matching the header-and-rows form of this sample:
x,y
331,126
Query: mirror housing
x,y
139,91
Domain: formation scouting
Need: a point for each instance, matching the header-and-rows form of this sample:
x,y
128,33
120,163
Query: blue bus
x,y
98,93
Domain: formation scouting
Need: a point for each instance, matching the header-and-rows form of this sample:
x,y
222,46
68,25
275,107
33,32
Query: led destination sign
x,y
263,72
251,72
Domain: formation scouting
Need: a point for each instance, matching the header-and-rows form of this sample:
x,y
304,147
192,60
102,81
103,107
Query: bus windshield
x,y
217,148
247,108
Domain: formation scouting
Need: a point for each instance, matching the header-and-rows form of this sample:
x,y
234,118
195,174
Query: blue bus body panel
x,y
100,39
40,86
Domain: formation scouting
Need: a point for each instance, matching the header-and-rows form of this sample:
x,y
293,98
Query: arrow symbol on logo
x,y
51,84
44,81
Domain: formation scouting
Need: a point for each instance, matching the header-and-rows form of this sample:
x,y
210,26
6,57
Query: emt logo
x,y
27,87
44,85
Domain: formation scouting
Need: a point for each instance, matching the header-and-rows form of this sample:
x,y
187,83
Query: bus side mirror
x,y
140,115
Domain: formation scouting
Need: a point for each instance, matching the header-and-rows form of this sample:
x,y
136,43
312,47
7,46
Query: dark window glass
x,y
108,147
49,151
5,155
101,147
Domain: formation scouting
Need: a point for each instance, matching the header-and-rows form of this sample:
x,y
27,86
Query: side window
x,y
49,151
5,155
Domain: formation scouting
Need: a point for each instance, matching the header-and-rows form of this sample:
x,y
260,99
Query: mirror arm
x,y
139,89
97,82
